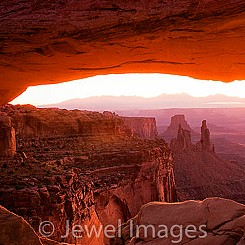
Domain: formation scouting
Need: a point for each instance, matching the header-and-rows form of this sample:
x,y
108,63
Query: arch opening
x,y
166,90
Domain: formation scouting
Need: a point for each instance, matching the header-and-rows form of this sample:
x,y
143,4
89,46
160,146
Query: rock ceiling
x,y
50,41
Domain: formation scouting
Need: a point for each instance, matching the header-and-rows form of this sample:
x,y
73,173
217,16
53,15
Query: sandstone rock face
x,y
216,221
7,137
205,137
173,128
144,128
15,230
68,198
31,122
99,197
153,179
83,167
201,39
183,140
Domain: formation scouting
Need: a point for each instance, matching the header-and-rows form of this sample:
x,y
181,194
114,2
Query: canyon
x,y
85,167
227,127
199,171
91,169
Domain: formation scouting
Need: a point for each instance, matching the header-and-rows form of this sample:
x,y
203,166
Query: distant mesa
x,y
183,140
178,121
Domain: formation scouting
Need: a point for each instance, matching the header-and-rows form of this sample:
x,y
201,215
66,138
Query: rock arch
x,y
52,42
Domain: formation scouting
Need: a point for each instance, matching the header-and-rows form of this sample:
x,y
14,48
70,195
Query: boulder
x,y
212,221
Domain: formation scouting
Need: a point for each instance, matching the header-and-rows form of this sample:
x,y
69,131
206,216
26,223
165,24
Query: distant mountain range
x,y
113,103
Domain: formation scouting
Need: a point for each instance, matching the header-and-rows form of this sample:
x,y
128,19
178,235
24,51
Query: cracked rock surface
x,y
45,42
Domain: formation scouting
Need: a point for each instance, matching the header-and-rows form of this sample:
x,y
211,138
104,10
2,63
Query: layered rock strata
x,y
99,189
183,140
173,129
93,176
31,122
144,128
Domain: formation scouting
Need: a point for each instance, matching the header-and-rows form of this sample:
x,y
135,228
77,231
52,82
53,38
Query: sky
x,y
143,85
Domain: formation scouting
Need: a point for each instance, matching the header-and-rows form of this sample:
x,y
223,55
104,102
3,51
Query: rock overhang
x,y
52,42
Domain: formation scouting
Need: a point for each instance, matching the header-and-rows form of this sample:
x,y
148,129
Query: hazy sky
x,y
145,85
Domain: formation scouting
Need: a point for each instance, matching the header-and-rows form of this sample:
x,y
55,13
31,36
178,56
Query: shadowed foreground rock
x,y
14,230
224,220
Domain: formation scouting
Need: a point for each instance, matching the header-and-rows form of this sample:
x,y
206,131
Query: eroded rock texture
x,y
51,42
101,190
173,129
205,137
7,137
92,176
183,140
222,220
144,128
31,122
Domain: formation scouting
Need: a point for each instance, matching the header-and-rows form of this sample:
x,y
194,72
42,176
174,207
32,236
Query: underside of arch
x,y
44,42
